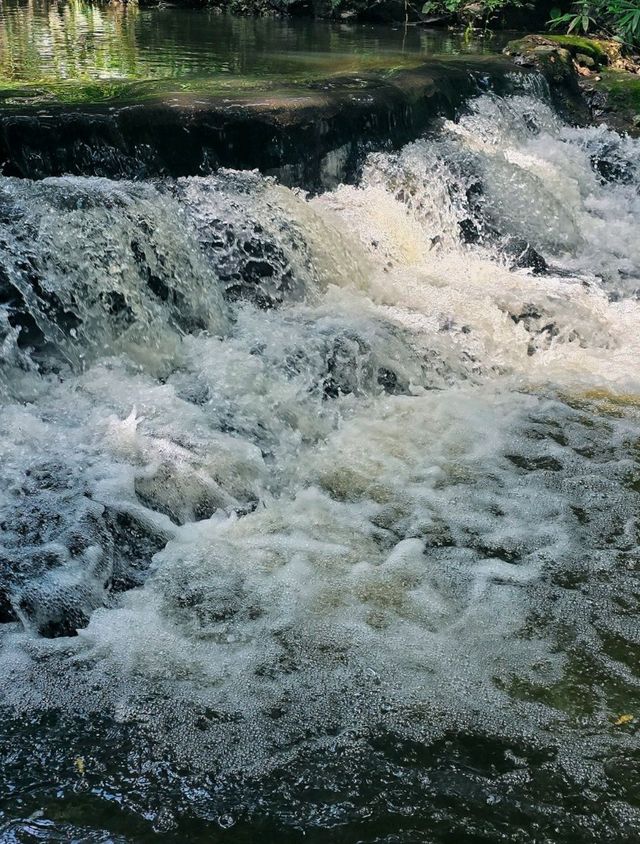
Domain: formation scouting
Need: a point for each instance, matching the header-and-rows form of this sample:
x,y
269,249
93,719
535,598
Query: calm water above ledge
x,y
78,42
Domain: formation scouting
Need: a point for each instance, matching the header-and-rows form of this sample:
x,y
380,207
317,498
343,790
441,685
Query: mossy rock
x,y
613,95
524,45
623,89
621,108
557,66
601,51
536,46
575,44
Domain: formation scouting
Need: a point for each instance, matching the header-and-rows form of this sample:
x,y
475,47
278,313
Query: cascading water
x,y
339,492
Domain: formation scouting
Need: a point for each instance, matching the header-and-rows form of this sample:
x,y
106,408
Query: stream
x,y
319,513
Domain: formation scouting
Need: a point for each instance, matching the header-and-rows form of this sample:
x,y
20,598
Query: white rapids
x,y
296,467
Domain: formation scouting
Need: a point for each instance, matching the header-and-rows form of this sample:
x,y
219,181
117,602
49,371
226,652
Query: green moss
x,y
579,44
88,91
623,90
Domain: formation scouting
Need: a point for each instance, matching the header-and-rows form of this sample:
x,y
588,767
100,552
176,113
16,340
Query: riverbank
x,y
609,81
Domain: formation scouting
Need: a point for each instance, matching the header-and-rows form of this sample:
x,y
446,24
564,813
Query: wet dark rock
x,y
475,228
51,316
251,256
347,366
262,274
612,163
596,100
25,272
163,493
288,136
469,231
614,97
7,612
535,464
134,544
389,381
555,63
53,529
613,171
534,322
527,316
523,256
55,522
352,367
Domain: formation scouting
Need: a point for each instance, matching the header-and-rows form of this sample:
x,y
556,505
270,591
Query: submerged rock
x,y
58,604
135,542
61,552
90,267
523,256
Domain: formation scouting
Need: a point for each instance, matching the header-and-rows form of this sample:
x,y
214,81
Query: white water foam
x,y
388,479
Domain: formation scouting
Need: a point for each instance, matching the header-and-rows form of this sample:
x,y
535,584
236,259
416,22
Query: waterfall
x,y
294,486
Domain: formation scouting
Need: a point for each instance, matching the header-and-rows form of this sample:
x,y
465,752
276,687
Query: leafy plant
x,y
627,16
582,18
619,19
469,11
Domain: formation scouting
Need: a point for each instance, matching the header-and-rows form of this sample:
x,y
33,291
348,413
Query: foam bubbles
x,y
296,489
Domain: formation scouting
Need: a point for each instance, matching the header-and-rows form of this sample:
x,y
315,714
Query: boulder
x,y
556,64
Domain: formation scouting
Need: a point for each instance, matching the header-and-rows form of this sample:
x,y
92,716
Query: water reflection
x,y
74,40
47,42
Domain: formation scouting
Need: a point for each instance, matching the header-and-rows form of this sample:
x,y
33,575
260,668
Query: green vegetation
x,y
470,13
87,91
619,19
623,92
90,92
579,44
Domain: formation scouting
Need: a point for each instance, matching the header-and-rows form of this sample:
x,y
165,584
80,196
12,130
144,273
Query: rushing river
x,y
340,493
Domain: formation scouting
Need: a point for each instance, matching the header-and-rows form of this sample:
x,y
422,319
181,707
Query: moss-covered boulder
x,y
602,52
557,66
614,98
593,48
608,81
